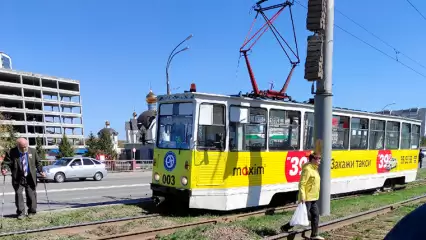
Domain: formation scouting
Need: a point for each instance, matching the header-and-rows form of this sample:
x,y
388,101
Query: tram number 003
x,y
169,179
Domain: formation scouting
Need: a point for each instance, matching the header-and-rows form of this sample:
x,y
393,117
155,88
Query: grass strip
x,y
259,227
252,228
67,217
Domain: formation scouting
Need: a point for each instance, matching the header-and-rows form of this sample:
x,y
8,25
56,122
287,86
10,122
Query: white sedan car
x,y
74,167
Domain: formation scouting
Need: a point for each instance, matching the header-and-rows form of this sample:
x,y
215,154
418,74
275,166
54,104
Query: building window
x,y
340,137
247,129
211,127
392,135
359,133
405,136
283,130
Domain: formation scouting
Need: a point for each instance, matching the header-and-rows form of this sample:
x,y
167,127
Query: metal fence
x,y
119,165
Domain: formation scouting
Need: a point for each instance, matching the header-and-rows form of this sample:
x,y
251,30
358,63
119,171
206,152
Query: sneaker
x,y
318,238
31,215
21,216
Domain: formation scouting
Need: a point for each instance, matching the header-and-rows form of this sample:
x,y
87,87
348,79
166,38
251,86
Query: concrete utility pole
x,y
320,57
324,108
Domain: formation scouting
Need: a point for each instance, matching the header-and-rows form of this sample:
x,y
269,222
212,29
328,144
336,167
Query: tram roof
x,y
179,97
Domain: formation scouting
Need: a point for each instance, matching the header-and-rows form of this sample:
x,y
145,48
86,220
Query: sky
x,y
118,49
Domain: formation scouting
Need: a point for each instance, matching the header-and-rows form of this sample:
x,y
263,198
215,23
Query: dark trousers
x,y
30,192
313,216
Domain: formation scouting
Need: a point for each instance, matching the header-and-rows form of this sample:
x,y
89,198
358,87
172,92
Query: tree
x,y
65,148
105,144
8,136
39,148
92,146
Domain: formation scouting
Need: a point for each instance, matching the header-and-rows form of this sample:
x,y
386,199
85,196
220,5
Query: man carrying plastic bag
x,y
309,188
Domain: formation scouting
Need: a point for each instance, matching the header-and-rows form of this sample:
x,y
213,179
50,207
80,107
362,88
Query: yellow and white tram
x,y
223,152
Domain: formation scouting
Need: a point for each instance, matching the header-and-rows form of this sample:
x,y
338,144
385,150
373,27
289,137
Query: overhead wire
x,y
375,48
417,10
380,39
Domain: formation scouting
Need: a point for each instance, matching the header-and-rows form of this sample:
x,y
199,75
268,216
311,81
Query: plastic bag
x,y
300,216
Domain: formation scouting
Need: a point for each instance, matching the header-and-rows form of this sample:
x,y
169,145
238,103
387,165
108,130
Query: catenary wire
x,y
378,38
370,45
417,10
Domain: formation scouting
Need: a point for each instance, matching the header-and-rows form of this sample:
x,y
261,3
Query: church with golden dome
x,y
140,131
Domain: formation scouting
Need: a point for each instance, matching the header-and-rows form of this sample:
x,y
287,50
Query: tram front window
x,y
175,126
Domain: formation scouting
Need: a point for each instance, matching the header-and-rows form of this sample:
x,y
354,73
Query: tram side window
x,y
340,135
377,134
247,129
359,133
308,139
392,135
211,127
283,130
415,136
405,136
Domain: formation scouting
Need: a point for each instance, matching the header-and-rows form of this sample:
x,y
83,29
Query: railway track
x,y
152,233
335,230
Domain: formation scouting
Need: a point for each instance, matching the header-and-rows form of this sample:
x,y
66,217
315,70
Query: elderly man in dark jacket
x,y
24,163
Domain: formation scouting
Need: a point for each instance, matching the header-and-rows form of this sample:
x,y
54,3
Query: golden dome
x,y
151,97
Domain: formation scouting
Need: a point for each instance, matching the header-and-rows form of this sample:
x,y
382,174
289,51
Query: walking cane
x,y
2,203
48,202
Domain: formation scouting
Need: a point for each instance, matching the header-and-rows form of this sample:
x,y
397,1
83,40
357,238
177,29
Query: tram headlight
x,y
184,181
156,177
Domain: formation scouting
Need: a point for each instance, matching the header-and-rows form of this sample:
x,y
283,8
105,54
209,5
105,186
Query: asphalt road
x,y
115,188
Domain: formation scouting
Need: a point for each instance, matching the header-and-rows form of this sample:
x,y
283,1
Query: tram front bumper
x,y
159,192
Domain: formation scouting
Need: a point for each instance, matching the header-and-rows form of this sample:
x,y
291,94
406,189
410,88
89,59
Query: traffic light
x,y
315,22
314,58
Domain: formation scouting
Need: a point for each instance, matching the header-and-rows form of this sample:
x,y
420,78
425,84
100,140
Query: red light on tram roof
x,y
193,88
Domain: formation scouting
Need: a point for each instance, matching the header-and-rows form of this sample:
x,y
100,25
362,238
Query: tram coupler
x,y
158,200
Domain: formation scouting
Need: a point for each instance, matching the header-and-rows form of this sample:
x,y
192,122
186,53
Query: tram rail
x,y
348,220
152,233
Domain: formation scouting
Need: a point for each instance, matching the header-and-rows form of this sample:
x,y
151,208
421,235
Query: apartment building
x,y
42,106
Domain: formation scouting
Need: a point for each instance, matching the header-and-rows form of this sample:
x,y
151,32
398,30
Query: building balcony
x,y
11,96
13,122
54,101
70,103
38,111
52,124
12,109
33,99
70,114
72,125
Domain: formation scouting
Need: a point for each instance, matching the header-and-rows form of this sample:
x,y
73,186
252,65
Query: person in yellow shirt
x,y
309,188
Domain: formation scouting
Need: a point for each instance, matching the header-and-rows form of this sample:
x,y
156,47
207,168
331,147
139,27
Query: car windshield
x,y
62,162
175,125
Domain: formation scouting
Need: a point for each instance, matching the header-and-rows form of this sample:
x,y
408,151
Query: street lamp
x,y
388,106
169,60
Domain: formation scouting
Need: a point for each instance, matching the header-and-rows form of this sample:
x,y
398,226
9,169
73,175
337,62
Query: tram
x,y
223,153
